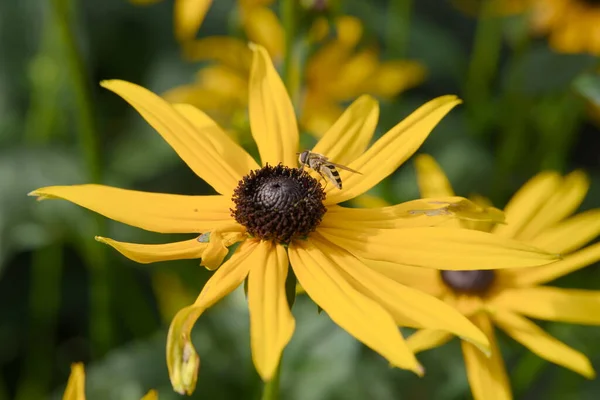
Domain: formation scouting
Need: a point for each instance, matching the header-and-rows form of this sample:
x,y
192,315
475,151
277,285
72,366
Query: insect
x,y
324,167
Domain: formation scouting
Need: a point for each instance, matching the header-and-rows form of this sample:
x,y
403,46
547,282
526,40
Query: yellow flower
x,y
75,389
187,16
538,214
573,26
281,215
338,72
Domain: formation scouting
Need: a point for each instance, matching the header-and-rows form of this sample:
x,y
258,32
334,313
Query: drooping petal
x,y
218,244
547,273
541,343
350,135
487,375
151,395
271,322
391,150
527,201
553,304
262,26
272,117
560,205
424,279
149,253
190,144
425,339
432,180
76,385
227,50
188,15
157,212
182,360
438,248
570,234
417,213
409,307
359,315
231,152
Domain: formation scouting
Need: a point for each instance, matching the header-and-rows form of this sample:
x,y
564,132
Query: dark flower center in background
x,y
469,282
591,2
278,203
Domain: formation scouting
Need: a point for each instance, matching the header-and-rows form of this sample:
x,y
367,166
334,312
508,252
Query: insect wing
x,y
344,167
329,172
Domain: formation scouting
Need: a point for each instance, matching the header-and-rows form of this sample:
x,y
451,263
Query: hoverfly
x,y
324,167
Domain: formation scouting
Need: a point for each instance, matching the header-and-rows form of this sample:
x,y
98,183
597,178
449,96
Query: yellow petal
x,y
349,30
272,117
354,312
151,395
350,135
541,343
190,144
487,375
416,213
391,150
220,143
424,279
319,114
438,248
182,360
432,180
188,15
369,201
76,385
263,27
395,76
560,205
351,76
157,212
553,304
149,253
271,322
547,273
218,244
425,339
527,201
409,307
570,234
226,50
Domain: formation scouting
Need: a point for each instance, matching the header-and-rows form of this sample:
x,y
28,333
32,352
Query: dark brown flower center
x,y
278,203
591,3
469,282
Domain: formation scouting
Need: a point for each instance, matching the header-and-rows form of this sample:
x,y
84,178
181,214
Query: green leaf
x,y
588,85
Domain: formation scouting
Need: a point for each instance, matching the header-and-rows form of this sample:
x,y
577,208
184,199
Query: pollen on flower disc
x,y
469,282
278,203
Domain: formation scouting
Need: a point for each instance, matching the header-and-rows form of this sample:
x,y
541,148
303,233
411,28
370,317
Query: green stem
x,y
484,61
398,29
271,388
290,74
100,322
44,303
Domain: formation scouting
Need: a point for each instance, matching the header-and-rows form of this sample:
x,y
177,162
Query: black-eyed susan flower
x,y
339,71
280,215
188,15
538,214
573,26
75,389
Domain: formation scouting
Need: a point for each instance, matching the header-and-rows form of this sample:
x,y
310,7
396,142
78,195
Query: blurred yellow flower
x,y
538,214
281,215
75,389
573,26
337,72
187,16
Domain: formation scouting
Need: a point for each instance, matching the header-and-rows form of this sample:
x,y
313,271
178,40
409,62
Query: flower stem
x,y
398,28
288,18
100,322
271,388
484,61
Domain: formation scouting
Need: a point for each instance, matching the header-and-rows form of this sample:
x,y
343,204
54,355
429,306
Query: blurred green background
x,y
66,298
